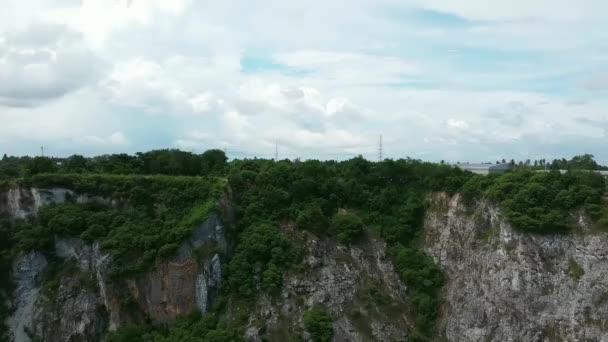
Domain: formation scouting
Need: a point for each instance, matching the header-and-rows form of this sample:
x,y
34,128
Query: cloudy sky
x,y
439,79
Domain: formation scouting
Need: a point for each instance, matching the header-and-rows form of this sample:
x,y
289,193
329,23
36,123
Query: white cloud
x,y
350,68
332,76
43,63
564,10
597,83
460,124
116,138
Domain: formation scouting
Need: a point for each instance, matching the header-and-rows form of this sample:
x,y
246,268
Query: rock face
x,y
73,313
85,305
27,276
358,285
22,202
504,285
501,284
181,286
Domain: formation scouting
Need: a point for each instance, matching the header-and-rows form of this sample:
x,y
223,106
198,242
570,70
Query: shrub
x,y
318,323
262,252
347,226
312,219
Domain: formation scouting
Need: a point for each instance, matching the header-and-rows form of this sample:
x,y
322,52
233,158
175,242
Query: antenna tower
x,y
380,148
276,151
42,150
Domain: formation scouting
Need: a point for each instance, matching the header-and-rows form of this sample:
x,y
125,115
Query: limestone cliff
x,y
85,303
501,284
358,284
505,285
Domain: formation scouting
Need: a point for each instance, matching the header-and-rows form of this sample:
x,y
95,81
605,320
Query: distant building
x,y
485,169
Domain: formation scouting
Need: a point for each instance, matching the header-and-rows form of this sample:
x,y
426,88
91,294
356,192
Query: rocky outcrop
x,y
177,288
357,284
27,276
73,313
19,202
85,305
505,285
501,284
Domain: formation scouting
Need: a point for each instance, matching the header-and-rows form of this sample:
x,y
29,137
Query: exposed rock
x,y
209,232
27,273
505,285
20,202
172,290
73,313
337,277
85,312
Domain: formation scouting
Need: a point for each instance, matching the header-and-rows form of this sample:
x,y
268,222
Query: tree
x,y
312,219
214,161
584,162
76,164
41,165
347,226
318,323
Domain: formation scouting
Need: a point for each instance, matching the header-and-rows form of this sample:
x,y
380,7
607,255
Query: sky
x,y
454,80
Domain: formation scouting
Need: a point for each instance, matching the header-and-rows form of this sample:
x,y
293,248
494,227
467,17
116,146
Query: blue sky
x,y
439,79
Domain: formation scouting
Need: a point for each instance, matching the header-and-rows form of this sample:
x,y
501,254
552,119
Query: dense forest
x,y
167,192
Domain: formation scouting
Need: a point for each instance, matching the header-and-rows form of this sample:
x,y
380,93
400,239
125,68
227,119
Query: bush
x,y
262,252
319,324
424,280
545,202
152,217
347,226
312,219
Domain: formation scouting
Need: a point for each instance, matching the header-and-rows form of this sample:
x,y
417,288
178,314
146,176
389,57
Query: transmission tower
x,y
276,151
380,148
42,151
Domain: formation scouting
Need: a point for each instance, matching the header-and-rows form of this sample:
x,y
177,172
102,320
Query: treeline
x,y
164,162
582,162
545,202
338,200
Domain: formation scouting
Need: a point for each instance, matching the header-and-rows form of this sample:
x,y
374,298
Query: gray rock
x,y
337,279
505,285
74,313
27,272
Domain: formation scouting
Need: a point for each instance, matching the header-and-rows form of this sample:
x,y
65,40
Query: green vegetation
x,y
166,162
196,328
576,271
425,280
312,219
150,218
151,214
338,200
262,253
6,243
347,226
542,202
318,323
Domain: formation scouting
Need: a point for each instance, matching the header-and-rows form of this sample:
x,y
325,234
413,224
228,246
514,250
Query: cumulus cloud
x,y
512,114
42,63
116,138
598,83
330,76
